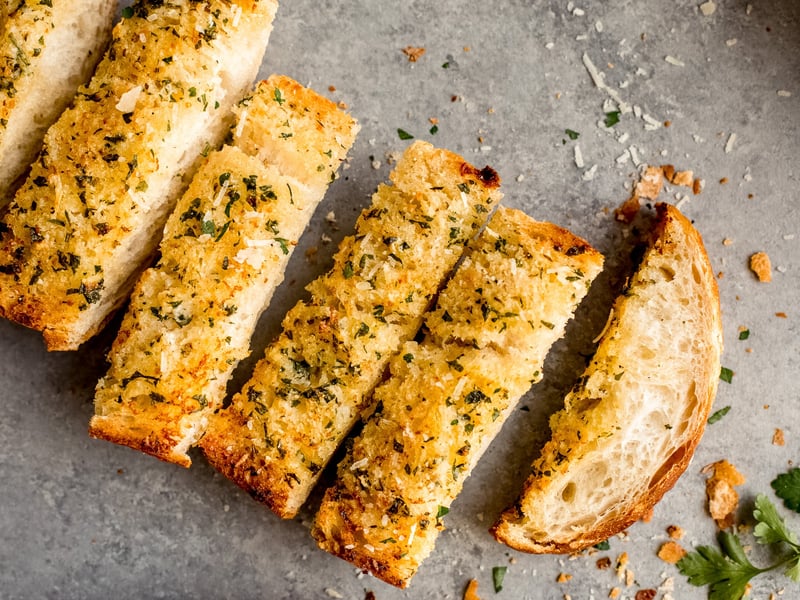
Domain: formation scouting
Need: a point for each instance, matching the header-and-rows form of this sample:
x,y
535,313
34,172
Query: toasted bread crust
x,y
448,395
552,514
224,251
310,388
91,212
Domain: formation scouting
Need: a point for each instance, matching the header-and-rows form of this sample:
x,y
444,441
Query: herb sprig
x,y
727,570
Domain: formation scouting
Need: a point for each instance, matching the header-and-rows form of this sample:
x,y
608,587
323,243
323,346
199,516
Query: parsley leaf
x,y
787,488
726,374
498,574
744,334
404,135
612,118
717,415
572,134
727,570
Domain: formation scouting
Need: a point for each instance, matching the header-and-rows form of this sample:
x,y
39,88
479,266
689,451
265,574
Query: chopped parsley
x,y
404,135
726,374
572,134
498,575
718,414
611,118
744,334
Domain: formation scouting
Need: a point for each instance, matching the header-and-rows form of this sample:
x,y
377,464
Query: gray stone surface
x,y
81,518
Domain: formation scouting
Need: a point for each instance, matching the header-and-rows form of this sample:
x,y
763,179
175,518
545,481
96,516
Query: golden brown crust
x,y
581,431
447,396
310,388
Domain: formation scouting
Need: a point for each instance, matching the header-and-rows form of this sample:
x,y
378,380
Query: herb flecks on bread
x,y
90,214
448,395
631,424
315,380
224,252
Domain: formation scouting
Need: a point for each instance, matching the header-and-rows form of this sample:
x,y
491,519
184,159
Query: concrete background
x,y
81,518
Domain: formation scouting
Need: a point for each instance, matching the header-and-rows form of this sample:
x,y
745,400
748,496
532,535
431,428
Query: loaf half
x,y
224,251
631,424
90,215
47,50
448,395
315,380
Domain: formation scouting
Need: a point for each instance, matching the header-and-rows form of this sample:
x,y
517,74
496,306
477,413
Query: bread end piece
x,y
632,422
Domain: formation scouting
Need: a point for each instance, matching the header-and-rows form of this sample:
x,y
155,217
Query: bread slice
x,y
47,50
91,212
631,424
447,396
310,388
224,251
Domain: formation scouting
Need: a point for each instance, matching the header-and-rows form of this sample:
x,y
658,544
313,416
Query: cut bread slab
x,y
631,424
314,381
224,251
47,50
91,212
448,395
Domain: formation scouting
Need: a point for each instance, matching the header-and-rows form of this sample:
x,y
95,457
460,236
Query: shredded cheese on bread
x,y
448,395
91,212
314,381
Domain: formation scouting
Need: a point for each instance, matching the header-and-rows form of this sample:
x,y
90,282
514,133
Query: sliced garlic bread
x,y
92,210
47,50
314,381
447,396
631,424
224,251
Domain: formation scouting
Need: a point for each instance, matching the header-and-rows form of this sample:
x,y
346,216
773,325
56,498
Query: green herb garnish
x,y
727,570
726,374
604,545
787,488
744,334
498,574
612,118
572,134
718,414
404,135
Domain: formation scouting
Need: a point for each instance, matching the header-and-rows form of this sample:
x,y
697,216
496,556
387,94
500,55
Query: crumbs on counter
x,y
563,578
675,532
413,53
761,266
778,438
471,591
722,497
671,552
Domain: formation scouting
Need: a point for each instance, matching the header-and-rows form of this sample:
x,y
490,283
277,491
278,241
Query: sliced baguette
x,y
631,424
314,381
93,208
47,50
224,251
448,396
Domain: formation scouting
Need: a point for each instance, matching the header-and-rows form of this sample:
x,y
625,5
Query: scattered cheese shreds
x,y
578,157
599,82
708,8
729,144
761,266
674,61
784,93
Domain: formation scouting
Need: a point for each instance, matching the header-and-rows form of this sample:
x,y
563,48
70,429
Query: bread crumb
x,y
780,315
647,517
671,552
603,563
723,180
675,532
683,178
648,594
778,438
761,266
722,498
413,53
627,211
727,242
471,593
615,593
563,577
649,186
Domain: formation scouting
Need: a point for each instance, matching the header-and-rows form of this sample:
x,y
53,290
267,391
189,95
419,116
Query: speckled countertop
x,y
81,518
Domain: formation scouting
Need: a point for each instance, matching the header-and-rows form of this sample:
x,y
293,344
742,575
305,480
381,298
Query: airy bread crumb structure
x,y
91,212
224,251
47,50
631,423
315,380
448,395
